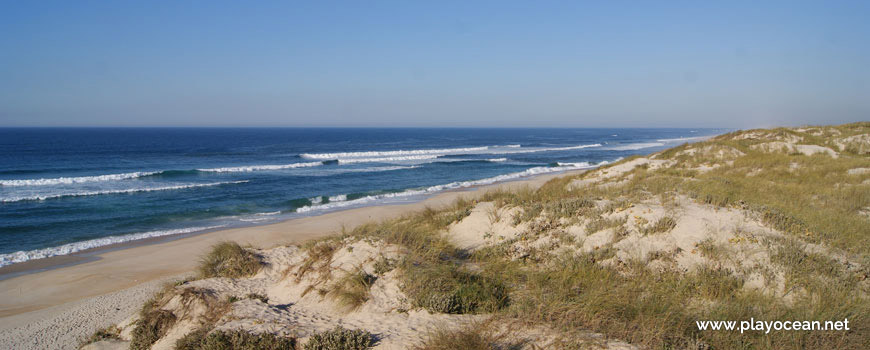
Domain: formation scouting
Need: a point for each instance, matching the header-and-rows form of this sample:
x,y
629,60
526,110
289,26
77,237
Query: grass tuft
x,y
665,224
111,332
229,259
352,290
473,337
151,326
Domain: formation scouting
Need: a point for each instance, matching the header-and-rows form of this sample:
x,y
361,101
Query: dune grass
x,y
154,321
661,225
152,325
108,333
448,288
352,290
475,336
229,259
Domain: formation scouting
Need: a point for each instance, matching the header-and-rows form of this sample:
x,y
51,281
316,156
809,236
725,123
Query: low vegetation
x,y
662,225
340,338
471,337
108,333
259,297
154,322
152,325
229,259
203,339
352,290
448,288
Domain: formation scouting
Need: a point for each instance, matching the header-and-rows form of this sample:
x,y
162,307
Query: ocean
x,y
63,190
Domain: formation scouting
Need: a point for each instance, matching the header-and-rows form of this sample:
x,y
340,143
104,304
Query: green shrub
x,y
203,339
193,340
340,339
446,288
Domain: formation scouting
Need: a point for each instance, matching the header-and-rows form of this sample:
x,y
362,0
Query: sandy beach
x,y
62,305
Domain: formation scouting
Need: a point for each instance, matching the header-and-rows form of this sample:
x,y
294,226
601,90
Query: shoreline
x,y
120,267
79,255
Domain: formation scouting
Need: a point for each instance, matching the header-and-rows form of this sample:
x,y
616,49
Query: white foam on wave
x,y
260,217
497,160
578,164
389,168
635,146
338,198
352,157
437,188
76,180
22,256
251,168
329,171
545,149
423,154
379,154
376,169
118,191
386,159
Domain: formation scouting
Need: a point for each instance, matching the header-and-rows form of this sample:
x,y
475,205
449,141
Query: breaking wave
x,y
424,154
373,154
261,167
546,149
118,191
379,169
76,180
22,256
341,201
260,217
385,159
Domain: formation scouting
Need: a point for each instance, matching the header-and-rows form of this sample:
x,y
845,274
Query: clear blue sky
x,y
436,63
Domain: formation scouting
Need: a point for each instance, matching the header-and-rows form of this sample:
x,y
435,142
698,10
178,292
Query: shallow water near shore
x,y
66,190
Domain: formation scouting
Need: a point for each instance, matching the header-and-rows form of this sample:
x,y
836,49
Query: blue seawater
x,y
63,190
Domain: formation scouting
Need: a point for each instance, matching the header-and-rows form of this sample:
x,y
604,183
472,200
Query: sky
x,y
434,63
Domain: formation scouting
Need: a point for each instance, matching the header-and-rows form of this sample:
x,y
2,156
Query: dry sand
x,y
53,309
